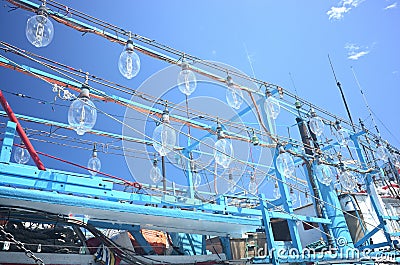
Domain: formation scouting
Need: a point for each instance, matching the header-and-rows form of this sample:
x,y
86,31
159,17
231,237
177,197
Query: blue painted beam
x,y
66,126
147,248
334,212
8,142
296,217
287,205
29,177
371,190
368,236
269,235
226,246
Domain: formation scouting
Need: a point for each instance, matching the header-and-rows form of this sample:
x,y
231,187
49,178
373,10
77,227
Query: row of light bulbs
x,y
82,113
40,32
82,117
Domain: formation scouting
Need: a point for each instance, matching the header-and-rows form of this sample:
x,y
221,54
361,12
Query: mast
x,y
339,85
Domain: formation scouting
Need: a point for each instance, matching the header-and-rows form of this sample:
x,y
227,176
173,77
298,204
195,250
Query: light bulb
x,y
272,107
381,153
285,164
316,124
82,113
293,196
252,185
324,174
347,181
39,29
164,138
186,80
129,61
196,180
254,139
155,174
223,152
276,193
21,155
234,96
342,137
94,163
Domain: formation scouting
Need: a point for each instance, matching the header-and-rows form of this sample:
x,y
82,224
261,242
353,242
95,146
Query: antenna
x,y
341,92
365,101
249,59
294,86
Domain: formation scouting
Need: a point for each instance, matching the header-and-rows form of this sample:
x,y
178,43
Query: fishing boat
x,y
225,185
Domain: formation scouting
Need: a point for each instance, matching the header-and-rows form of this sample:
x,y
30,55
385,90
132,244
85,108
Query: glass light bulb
x,y
187,80
155,174
164,138
342,137
381,153
324,174
234,97
95,164
82,115
196,180
272,107
293,196
347,181
276,193
21,155
317,125
39,31
285,164
129,61
252,185
223,152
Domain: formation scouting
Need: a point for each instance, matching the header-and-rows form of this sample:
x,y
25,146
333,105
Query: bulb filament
x,y
39,34
129,65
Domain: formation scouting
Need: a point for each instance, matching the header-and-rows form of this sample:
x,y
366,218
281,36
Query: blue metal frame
x,y
8,142
374,201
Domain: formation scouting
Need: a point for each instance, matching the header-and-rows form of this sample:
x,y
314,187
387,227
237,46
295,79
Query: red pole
x,y
21,132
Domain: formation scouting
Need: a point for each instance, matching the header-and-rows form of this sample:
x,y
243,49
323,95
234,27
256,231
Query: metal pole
x,y
314,189
164,176
343,97
21,132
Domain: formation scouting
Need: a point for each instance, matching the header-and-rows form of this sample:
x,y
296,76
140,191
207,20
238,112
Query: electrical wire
x,y
109,25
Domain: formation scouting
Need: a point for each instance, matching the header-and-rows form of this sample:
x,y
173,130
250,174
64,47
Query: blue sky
x,y
267,39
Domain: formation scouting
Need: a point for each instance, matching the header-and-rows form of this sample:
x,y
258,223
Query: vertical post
x,y
269,235
190,179
313,185
334,213
287,206
21,132
371,189
164,176
8,142
226,246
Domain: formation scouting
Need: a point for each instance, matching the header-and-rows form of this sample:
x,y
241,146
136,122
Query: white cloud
x,y
357,55
354,52
344,6
394,5
337,12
